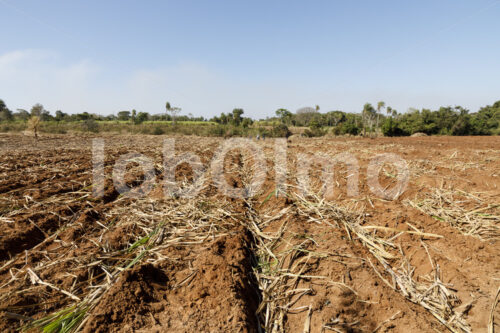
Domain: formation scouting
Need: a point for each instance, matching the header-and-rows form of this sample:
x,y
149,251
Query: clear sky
x,y
209,57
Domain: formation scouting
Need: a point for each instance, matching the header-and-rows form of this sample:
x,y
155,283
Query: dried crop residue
x,y
272,261
211,291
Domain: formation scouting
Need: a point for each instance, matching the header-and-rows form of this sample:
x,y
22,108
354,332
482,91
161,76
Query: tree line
x,y
388,121
38,110
370,120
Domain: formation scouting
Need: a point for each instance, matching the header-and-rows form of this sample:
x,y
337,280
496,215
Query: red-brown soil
x,y
208,262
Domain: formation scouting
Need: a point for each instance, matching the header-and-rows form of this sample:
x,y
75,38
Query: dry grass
x,y
467,212
282,259
433,295
281,267
491,322
157,224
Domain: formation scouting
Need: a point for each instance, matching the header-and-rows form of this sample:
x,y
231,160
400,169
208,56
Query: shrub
x,y
55,127
218,130
246,122
462,126
158,130
391,128
140,118
280,131
233,131
16,126
55,130
90,125
263,132
346,128
314,130
5,128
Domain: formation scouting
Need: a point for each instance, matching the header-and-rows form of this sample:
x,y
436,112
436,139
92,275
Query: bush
x,y
12,126
55,130
90,125
246,122
140,118
487,120
233,131
54,127
280,131
311,133
263,132
158,131
5,128
346,128
391,128
462,126
314,130
218,131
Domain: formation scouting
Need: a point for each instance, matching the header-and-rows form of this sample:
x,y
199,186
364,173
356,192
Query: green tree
x,y
237,116
85,116
246,122
349,128
134,113
141,117
39,111
223,118
333,118
173,111
124,115
36,110
487,120
315,129
21,114
90,125
280,131
304,116
390,127
462,125
446,118
5,113
284,115
60,115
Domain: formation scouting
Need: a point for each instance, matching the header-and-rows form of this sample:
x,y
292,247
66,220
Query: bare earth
x,y
279,261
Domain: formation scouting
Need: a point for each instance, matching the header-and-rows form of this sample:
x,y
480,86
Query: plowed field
x,y
279,258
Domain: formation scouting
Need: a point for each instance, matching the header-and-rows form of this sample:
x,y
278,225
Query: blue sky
x,y
209,57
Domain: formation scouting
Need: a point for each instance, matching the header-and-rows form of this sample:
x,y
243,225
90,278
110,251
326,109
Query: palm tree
x,y
380,106
172,110
368,114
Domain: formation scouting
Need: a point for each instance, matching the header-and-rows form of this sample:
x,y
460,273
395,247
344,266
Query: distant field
x,y
159,122
148,127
